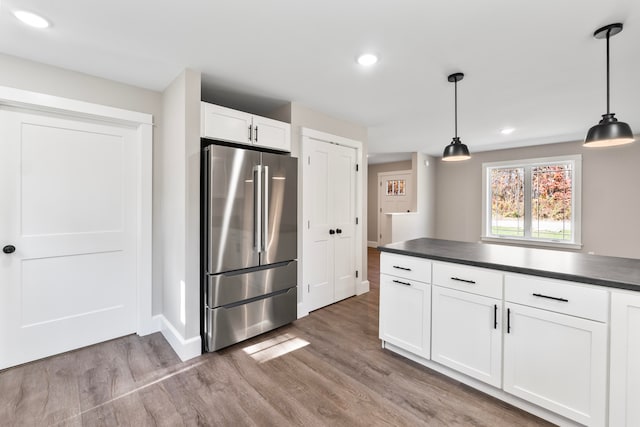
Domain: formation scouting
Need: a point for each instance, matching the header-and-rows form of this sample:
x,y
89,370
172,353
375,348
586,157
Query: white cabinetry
x,y
624,409
226,124
466,321
405,303
552,357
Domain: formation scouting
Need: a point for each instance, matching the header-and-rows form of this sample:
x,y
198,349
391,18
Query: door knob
x,y
332,231
9,249
338,230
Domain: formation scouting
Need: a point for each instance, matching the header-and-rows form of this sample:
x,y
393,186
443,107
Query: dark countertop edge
x,y
521,270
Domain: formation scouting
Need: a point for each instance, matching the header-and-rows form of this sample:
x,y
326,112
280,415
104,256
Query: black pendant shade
x,y
456,151
609,131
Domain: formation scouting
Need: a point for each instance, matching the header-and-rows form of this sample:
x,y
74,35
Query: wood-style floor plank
x,y
325,369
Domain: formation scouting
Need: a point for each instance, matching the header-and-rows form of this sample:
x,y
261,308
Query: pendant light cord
x,y
608,35
455,85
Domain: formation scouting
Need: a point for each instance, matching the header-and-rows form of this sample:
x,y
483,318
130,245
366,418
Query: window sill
x,y
528,242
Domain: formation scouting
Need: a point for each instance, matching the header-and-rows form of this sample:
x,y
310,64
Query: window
x,y
535,200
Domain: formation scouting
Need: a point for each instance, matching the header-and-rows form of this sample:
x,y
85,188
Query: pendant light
x,y
609,131
456,151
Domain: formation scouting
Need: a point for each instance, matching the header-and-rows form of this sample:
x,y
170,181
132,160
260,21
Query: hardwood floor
x,y
327,369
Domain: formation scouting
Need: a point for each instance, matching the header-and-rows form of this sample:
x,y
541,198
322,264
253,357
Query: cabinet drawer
x,y
405,266
476,280
558,296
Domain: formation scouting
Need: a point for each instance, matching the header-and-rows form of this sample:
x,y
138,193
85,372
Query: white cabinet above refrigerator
x,y
225,124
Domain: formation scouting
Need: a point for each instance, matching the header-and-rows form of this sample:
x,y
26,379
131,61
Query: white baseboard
x,y
185,348
150,326
302,311
372,244
362,287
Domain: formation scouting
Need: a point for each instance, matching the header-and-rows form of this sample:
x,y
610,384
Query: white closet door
x,y
343,187
329,237
318,262
68,205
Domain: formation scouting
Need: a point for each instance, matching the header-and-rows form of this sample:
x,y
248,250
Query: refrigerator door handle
x,y
257,207
265,207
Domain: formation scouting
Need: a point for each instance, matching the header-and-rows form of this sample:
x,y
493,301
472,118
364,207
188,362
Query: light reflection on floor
x,y
275,347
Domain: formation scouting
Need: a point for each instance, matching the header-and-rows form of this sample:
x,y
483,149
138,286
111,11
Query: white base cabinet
x,y
405,314
538,343
624,396
555,346
466,333
226,124
557,362
405,303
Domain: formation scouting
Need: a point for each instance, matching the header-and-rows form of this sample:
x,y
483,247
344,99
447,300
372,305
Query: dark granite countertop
x,y
623,273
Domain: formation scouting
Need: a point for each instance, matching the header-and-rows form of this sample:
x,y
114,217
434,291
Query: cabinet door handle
x,y
332,231
256,133
508,320
250,133
463,280
339,231
402,283
401,268
548,297
495,316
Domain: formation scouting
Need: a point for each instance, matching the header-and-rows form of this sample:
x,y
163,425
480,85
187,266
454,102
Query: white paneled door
x,y
68,199
329,238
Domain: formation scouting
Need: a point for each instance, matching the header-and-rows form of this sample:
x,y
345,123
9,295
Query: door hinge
x,y
308,224
356,274
380,183
309,160
356,220
357,167
308,288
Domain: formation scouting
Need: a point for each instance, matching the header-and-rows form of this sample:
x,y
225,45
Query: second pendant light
x,y
456,151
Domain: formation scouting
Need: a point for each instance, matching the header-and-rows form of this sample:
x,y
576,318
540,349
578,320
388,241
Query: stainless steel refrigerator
x,y
250,247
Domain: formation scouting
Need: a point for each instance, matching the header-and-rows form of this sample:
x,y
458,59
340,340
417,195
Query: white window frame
x,y
527,164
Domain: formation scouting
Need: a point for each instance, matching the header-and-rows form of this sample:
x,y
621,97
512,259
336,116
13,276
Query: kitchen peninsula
x,y
553,332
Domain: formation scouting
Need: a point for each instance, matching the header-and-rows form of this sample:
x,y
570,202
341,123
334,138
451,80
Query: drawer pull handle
x,y
463,280
495,316
401,268
402,283
548,297
508,320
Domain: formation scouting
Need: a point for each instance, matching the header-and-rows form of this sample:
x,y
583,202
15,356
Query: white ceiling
x,y
531,65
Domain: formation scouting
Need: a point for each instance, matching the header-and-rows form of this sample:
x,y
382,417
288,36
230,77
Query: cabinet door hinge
x,y
308,288
308,224
309,160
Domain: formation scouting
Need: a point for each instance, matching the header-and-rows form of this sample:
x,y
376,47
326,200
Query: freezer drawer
x,y
229,325
228,288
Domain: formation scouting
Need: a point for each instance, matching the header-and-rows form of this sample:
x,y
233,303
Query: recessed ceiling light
x,y
367,59
507,131
31,19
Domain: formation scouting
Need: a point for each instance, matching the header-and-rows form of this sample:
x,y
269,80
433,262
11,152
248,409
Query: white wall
x,y
36,77
610,196
179,213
